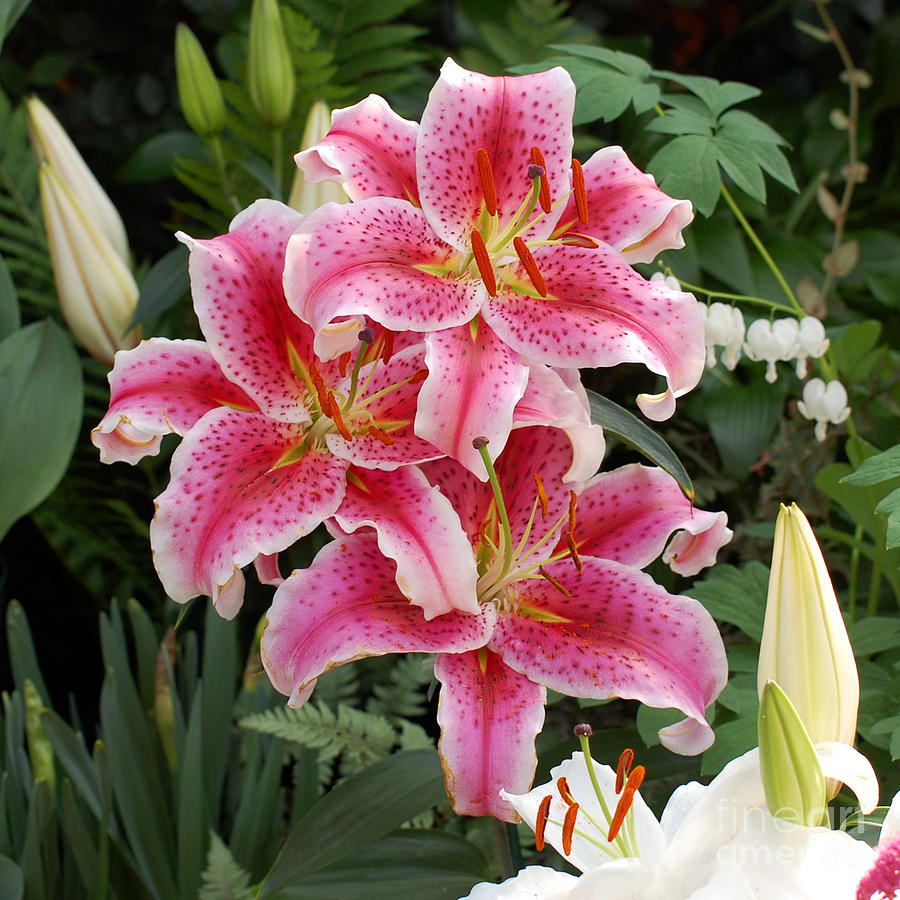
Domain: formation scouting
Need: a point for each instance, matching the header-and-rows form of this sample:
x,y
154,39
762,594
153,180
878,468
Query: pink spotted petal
x,y
267,570
473,385
489,716
469,496
619,634
160,387
238,297
228,501
550,401
628,515
387,397
506,116
363,259
418,529
370,150
626,209
600,312
346,606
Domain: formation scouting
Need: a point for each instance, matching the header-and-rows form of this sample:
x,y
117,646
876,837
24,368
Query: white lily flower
x,y
715,842
772,341
811,342
824,404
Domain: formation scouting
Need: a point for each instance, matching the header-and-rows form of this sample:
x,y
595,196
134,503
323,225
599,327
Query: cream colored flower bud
x,y
805,647
307,195
199,91
97,292
270,69
51,143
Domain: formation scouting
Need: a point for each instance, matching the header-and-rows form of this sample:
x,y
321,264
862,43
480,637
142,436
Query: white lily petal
x,y
842,763
532,883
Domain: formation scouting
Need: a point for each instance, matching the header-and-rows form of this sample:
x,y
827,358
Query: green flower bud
x,y
199,91
791,773
40,751
270,69
309,195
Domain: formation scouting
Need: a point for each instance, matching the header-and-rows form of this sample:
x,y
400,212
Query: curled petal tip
x,y
657,407
688,737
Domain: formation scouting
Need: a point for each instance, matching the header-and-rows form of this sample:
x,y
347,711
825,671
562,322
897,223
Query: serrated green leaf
x,y
618,421
739,125
772,160
876,468
41,397
407,863
223,877
717,95
737,596
165,284
687,168
682,121
737,159
10,317
360,810
627,63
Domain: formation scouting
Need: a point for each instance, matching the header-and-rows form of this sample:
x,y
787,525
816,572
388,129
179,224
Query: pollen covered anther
x,y
568,828
581,203
563,787
343,362
635,779
380,435
530,266
573,551
623,769
537,158
486,177
321,391
483,261
334,413
542,494
388,349
540,823
545,574
576,239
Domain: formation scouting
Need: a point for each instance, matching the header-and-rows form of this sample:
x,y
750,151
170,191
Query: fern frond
x,y
404,693
223,877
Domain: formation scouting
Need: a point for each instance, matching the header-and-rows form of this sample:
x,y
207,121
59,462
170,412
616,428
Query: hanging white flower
x,y
725,328
824,403
811,342
772,341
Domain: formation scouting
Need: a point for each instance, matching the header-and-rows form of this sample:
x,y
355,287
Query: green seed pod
x,y
270,69
199,91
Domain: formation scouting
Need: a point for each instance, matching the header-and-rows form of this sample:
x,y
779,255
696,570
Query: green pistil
x,y
520,221
354,376
480,444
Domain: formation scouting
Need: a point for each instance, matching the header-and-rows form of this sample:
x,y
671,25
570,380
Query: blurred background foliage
x,y
111,81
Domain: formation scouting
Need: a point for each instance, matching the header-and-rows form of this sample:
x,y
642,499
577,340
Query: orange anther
x,y
575,239
573,551
634,782
569,828
581,203
542,494
334,413
483,261
540,823
321,392
343,362
623,768
382,436
421,375
388,349
545,574
486,177
563,787
573,502
530,266
538,159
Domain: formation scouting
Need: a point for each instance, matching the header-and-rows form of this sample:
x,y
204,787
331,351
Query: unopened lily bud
x,y
199,91
50,143
97,292
270,69
307,195
40,751
805,647
791,773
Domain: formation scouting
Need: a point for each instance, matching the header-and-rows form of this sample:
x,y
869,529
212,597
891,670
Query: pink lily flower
x,y
462,228
271,434
561,602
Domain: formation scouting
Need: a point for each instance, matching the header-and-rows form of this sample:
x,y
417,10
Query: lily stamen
x,y
542,495
573,551
537,158
540,824
486,177
576,239
556,584
581,202
380,435
635,779
530,266
569,827
321,391
483,261
334,413
623,769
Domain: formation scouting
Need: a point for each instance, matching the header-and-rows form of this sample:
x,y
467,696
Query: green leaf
x,y
737,596
722,251
223,878
682,121
361,809
850,349
407,863
687,167
739,125
41,397
629,428
166,283
22,657
733,739
874,634
717,95
890,507
155,158
10,318
737,159
10,13
192,815
876,469
12,881
772,160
